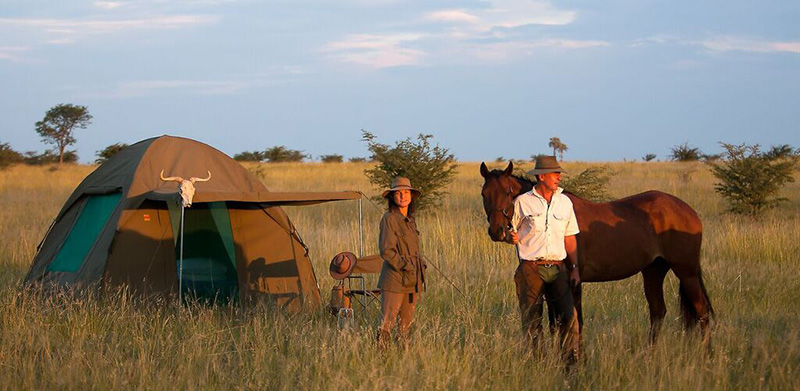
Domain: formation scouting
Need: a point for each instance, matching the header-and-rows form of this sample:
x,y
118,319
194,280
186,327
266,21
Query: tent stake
x,y
180,263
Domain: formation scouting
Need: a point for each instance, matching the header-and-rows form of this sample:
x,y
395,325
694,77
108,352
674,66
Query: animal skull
x,y
186,186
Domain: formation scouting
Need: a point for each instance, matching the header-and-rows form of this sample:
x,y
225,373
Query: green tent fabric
x,y
93,217
119,227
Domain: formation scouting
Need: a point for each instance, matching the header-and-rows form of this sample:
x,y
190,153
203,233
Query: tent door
x,y
209,257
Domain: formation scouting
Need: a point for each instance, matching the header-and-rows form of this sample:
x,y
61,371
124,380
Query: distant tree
x,y
430,168
331,158
558,146
59,123
8,156
255,156
591,183
781,152
357,160
711,158
283,154
649,157
685,153
49,157
538,155
750,180
109,152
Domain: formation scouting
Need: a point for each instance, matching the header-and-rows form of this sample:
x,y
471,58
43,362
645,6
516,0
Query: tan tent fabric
x,y
136,246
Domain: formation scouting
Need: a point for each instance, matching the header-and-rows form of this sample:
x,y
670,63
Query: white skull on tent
x,y
186,186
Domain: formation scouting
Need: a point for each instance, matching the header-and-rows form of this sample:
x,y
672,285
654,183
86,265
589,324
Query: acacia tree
x,y
59,123
430,168
558,146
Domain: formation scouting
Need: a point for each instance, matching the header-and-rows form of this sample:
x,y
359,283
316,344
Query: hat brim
x,y
414,192
545,171
342,275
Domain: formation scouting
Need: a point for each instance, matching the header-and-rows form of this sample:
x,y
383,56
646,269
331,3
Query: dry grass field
x,y
469,342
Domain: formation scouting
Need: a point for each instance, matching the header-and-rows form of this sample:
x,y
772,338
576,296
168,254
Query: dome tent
x,y
122,223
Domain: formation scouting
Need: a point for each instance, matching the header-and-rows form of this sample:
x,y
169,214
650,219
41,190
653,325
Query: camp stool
x,y
364,304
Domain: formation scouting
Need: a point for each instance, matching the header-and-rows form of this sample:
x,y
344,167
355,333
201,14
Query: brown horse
x,y
650,232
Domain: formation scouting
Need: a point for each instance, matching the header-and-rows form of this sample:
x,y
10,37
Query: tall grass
x,y
459,342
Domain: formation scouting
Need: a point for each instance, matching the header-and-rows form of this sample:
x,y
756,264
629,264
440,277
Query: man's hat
x,y
545,165
342,265
401,183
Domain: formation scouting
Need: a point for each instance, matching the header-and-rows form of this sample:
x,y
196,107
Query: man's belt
x,y
544,262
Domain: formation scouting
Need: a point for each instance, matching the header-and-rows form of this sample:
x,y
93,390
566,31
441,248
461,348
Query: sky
x,y
613,79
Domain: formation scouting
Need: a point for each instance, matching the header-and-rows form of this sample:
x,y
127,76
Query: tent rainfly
x,y
122,224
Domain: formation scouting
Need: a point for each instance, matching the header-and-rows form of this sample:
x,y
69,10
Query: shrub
x,y
255,156
8,156
430,168
685,153
749,179
781,152
48,157
357,160
283,154
331,158
109,152
649,157
591,183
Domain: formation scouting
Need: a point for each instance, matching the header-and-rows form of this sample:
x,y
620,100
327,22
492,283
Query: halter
x,y
504,210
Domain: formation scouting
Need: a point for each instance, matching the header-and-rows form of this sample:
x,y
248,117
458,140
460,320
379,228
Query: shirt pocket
x,y
535,221
560,221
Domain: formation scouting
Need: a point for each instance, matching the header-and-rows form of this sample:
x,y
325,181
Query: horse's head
x,y
499,190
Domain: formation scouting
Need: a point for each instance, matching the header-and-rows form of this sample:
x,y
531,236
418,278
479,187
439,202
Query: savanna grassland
x,y
469,342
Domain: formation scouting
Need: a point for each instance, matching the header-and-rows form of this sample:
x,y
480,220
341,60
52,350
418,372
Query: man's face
x,y
550,180
402,197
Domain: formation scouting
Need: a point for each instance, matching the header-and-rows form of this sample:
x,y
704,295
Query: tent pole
x,y
180,263
360,228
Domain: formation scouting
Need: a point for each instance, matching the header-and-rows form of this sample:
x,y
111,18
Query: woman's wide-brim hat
x,y
401,183
546,165
342,265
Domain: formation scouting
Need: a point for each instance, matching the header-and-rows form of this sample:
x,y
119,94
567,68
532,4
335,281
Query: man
x,y
544,229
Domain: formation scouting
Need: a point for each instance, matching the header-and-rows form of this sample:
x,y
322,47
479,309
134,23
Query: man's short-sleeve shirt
x,y
542,226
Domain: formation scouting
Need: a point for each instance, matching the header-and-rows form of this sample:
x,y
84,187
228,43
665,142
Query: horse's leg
x,y
653,277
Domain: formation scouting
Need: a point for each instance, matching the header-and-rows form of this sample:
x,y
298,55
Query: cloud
x,y
726,44
504,14
192,87
108,5
499,51
451,16
377,51
107,26
12,53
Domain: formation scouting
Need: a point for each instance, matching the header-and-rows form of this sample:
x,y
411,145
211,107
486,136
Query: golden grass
x,y
470,342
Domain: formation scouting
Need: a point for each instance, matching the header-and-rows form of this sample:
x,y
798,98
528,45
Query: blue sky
x,y
613,79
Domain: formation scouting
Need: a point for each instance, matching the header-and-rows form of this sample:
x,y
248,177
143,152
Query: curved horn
x,y
195,179
172,178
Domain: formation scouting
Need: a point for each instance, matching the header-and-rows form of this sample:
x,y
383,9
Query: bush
x,y
255,156
8,156
48,157
331,158
430,169
591,183
649,157
357,160
109,152
685,153
782,152
750,179
283,154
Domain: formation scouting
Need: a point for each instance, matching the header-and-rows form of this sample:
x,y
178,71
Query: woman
x,y
403,273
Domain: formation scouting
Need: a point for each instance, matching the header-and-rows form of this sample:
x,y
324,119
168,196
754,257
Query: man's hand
x,y
513,237
574,277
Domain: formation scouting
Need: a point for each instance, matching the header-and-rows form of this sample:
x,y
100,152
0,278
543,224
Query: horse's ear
x,y
484,170
509,170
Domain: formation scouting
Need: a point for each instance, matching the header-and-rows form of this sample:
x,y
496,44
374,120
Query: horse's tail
x,y
690,315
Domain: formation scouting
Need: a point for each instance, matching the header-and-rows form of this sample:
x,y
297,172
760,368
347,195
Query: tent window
x,y
83,235
209,258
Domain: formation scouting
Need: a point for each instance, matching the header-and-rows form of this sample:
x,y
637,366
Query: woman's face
x,y
402,197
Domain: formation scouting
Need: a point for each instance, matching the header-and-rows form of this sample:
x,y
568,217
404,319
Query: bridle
x,y
505,210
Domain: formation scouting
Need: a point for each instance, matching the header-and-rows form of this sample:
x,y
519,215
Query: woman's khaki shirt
x,y
403,269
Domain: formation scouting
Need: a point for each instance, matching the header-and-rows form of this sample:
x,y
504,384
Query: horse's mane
x,y
526,183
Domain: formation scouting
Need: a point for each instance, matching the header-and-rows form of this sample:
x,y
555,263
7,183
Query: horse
x,y
649,233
